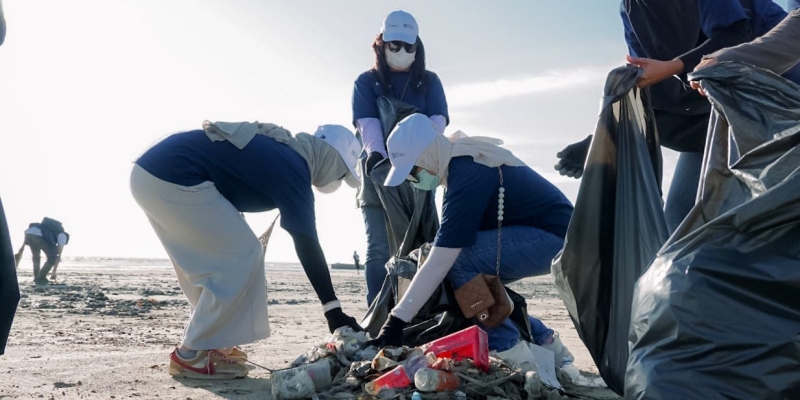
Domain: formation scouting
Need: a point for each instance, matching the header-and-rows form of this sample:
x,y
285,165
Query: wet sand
x,y
106,332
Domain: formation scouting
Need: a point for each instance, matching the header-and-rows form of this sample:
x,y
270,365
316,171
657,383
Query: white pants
x,y
217,258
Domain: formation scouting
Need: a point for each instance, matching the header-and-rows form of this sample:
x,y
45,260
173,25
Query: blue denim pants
x,y
683,189
377,250
526,252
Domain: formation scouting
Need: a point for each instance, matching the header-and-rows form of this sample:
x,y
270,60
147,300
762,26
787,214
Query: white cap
x,y
407,141
400,25
345,143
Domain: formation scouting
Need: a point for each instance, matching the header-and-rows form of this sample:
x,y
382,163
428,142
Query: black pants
x,y
39,245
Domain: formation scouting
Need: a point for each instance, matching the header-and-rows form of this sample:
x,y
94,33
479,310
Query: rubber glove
x,y
373,159
337,319
573,157
391,333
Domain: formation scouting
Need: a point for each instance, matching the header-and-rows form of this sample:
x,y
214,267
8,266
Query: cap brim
x,y
401,36
397,174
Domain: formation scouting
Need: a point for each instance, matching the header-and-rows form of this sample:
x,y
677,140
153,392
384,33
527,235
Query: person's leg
x,y
35,243
51,253
217,257
683,189
377,250
526,252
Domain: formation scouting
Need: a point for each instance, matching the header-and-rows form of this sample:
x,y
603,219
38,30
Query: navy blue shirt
x,y
714,15
263,176
430,101
470,202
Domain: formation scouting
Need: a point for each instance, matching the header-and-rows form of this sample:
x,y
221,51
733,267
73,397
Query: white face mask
x,y
401,60
329,188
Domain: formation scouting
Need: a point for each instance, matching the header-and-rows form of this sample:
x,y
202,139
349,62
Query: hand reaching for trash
x,y
391,333
655,71
573,157
703,64
337,319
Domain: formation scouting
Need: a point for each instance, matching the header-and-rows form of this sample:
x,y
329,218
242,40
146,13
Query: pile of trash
x,y
458,366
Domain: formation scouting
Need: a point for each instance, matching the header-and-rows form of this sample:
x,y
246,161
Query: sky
x,y
88,85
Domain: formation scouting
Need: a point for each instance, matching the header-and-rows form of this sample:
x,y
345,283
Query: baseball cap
x,y
400,25
345,143
407,141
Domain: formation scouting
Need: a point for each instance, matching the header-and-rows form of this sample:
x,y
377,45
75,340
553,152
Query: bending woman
x,y
194,185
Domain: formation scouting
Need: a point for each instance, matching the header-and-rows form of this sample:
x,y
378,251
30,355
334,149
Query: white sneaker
x,y
563,356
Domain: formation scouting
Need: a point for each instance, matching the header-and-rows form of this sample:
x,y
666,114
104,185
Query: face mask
x,y
401,60
426,181
329,188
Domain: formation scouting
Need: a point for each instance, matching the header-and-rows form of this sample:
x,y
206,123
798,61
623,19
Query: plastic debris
x,y
431,380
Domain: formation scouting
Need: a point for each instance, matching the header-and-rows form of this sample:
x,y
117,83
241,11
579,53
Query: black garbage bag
x,y
391,111
717,314
617,226
9,287
440,316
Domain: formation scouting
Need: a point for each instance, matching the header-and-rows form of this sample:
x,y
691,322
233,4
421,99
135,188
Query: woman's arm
x,y
778,50
425,282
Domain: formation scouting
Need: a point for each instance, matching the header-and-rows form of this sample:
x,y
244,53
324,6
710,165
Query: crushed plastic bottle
x,y
394,379
301,382
431,380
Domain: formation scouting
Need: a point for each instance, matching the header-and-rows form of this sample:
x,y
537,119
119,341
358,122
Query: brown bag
x,y
484,296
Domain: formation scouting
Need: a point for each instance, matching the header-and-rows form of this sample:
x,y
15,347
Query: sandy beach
x,y
106,330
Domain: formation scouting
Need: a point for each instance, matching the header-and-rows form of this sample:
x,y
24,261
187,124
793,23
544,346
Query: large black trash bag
x,y
440,316
617,227
9,287
717,314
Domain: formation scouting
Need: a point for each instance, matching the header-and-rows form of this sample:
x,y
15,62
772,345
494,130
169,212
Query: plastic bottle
x,y
432,380
416,396
416,363
394,379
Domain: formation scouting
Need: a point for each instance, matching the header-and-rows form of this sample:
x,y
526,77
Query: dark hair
x,y
418,76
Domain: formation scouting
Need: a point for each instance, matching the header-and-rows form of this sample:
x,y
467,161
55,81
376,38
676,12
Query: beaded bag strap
x,y
500,200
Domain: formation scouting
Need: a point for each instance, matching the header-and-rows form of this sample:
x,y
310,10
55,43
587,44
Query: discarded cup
x,y
467,343
431,380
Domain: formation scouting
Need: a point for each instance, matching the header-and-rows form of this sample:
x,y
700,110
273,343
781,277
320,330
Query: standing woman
x,y
193,187
399,74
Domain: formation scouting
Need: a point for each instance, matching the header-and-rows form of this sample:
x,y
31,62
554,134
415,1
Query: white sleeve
x,y
371,135
425,282
62,239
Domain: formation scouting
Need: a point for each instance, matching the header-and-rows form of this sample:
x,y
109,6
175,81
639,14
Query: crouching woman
x,y
493,203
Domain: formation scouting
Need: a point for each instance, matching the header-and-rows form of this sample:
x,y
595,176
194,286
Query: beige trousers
x,y
217,258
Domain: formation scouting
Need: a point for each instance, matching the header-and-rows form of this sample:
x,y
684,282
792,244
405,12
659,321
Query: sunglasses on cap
x,y
396,45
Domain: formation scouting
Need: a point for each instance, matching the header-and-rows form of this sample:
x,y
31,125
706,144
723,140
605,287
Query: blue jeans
x,y
377,250
683,189
526,252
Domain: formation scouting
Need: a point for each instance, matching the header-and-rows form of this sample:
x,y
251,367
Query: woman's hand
x,y
703,64
654,70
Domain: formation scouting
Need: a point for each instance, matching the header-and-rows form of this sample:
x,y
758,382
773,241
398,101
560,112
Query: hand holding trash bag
x,y
373,159
337,319
573,157
391,333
